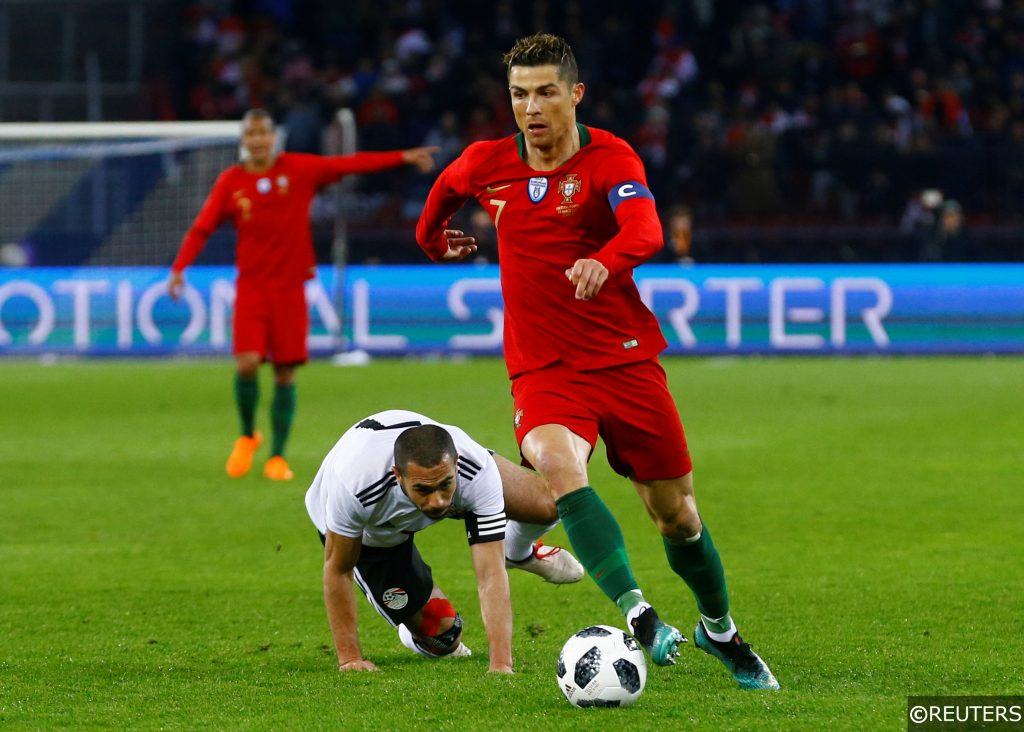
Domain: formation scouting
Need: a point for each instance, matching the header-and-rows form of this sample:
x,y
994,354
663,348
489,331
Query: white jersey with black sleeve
x,y
355,494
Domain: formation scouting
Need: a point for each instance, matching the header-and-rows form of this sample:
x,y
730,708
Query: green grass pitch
x,y
868,513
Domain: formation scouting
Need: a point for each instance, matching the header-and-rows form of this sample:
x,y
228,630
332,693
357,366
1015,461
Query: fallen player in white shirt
x,y
396,473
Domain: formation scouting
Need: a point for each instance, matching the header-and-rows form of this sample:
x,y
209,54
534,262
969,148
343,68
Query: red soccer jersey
x,y
595,206
270,211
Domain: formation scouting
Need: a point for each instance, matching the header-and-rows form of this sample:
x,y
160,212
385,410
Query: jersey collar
x,y
521,141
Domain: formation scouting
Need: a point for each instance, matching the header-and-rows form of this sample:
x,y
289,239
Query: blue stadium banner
x,y
704,309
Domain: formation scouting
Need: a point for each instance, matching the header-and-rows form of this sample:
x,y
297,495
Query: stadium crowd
x,y
789,113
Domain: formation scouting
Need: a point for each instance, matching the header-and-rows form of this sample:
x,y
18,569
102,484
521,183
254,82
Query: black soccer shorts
x,y
395,580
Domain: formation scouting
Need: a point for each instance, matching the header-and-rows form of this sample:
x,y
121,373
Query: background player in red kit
x,y
574,216
267,198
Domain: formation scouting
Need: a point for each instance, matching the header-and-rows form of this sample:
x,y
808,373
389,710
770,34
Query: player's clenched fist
x,y
359,664
588,275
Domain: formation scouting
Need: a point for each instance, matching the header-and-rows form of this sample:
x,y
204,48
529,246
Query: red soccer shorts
x,y
273,322
629,406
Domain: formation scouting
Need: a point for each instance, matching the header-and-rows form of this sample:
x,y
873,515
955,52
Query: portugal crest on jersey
x,y
537,188
569,186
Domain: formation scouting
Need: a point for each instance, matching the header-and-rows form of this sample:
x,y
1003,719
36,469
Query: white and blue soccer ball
x,y
601,666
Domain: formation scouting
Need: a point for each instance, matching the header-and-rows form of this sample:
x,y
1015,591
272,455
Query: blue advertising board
x,y
704,309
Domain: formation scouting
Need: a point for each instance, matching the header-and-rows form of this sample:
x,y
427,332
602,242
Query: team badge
x,y
569,186
517,420
396,598
282,184
263,185
537,188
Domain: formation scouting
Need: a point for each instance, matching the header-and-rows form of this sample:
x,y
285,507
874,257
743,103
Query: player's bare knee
x,y
680,526
561,472
247,365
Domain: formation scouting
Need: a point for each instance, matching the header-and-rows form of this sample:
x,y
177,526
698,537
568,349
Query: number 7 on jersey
x,y
501,207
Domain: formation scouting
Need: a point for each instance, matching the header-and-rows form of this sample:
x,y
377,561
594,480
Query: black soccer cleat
x,y
746,666
661,641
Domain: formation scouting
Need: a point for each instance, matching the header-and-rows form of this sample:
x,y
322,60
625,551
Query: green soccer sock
x,y
282,409
597,540
247,393
698,563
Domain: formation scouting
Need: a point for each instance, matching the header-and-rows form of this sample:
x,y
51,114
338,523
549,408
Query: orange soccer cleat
x,y
277,469
240,459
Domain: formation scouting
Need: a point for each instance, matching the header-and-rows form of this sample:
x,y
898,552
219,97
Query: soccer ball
x,y
601,667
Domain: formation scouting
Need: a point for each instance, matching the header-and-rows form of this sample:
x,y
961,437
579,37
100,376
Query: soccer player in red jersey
x,y
574,216
267,198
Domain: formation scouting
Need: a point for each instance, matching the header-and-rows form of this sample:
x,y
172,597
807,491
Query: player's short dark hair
x,y
543,49
426,445
257,113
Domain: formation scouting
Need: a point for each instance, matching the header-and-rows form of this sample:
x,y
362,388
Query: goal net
x,y
108,194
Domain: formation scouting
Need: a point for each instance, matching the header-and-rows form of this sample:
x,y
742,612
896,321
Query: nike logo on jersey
x,y
495,189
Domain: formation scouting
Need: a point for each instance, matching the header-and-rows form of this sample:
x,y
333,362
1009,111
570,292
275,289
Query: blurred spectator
x,y
680,229
953,241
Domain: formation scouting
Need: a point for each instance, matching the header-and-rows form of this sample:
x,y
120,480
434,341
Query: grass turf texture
x,y
868,513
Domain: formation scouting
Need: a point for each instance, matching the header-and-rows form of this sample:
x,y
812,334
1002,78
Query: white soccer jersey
x,y
355,493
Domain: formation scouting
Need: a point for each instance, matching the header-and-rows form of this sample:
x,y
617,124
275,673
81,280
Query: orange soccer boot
x,y
277,469
240,459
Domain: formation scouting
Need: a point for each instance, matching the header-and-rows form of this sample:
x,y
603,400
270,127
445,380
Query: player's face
x,y
258,139
430,489
543,104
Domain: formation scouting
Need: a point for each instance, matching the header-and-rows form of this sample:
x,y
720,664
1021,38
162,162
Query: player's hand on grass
x,y
358,664
175,285
588,275
460,246
421,157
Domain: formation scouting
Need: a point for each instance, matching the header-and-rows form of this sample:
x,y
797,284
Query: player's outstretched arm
x,y
495,603
332,168
209,218
340,556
